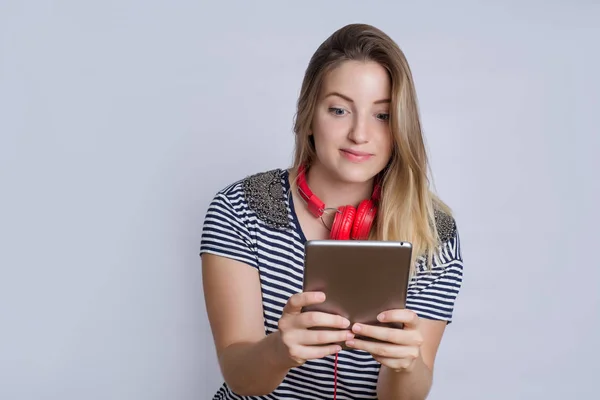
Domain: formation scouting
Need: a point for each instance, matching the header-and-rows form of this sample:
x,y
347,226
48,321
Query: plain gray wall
x,y
120,120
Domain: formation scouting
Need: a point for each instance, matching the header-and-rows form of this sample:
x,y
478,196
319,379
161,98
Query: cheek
x,y
327,129
386,141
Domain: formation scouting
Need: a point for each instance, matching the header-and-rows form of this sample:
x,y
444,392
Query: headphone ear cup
x,y
363,221
342,223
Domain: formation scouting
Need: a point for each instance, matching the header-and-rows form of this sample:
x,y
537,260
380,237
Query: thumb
x,y
297,301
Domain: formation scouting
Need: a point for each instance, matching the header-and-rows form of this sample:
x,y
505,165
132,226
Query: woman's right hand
x,y
301,344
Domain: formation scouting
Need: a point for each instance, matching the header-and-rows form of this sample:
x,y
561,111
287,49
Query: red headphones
x,y
349,222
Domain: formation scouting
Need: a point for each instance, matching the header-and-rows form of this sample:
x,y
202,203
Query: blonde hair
x,y
408,206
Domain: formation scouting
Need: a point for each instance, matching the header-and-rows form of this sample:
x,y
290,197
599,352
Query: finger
x,y
396,364
409,318
297,301
390,335
321,337
316,352
385,350
313,319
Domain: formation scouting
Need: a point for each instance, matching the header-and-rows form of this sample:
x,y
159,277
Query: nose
x,y
359,131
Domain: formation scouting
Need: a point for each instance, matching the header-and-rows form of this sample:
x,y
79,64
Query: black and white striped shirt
x,y
234,229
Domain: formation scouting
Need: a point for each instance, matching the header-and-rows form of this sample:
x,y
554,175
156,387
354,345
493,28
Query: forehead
x,y
359,80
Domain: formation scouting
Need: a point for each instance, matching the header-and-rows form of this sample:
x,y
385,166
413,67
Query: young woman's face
x,y
351,122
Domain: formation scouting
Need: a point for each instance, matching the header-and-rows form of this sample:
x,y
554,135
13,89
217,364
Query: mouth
x,y
355,155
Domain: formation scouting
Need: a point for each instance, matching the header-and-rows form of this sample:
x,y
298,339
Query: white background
x,y
119,120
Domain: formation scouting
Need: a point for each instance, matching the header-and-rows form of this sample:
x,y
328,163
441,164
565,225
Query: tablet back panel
x,y
360,278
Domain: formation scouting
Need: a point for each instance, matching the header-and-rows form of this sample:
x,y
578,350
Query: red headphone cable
x,y
335,377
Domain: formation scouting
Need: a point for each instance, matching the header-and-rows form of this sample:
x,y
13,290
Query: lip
x,y
355,155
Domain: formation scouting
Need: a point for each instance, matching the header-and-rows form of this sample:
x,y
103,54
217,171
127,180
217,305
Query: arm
x,y
250,361
416,382
254,364
408,355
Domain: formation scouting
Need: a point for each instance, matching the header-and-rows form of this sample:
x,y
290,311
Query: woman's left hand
x,y
402,346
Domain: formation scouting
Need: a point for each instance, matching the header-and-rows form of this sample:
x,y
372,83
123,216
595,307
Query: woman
x,y
357,124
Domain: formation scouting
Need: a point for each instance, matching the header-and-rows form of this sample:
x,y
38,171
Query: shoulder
x,y
256,181
261,194
435,285
448,253
445,225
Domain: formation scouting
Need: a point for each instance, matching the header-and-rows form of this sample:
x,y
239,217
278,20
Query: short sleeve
x,y
433,293
225,233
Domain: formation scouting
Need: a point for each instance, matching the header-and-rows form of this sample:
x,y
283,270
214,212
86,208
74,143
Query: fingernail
x,y
346,322
381,317
350,342
357,328
350,335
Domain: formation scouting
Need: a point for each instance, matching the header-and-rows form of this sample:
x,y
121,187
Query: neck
x,y
333,192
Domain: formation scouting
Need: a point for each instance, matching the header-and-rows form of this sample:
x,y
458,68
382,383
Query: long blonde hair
x,y
407,207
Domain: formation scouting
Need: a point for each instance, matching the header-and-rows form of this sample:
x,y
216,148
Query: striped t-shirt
x,y
253,220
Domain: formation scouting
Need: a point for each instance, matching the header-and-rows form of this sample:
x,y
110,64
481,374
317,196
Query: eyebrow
x,y
352,101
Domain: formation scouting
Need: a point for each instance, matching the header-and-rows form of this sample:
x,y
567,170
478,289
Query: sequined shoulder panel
x,y
445,224
265,195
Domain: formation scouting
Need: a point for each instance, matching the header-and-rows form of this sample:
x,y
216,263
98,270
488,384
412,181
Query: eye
x,y
383,116
337,111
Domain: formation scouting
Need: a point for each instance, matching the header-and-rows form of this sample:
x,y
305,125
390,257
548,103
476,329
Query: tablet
x,y
359,278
